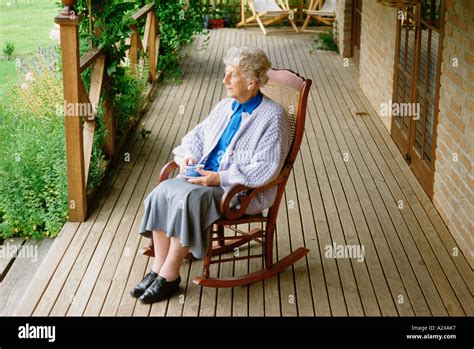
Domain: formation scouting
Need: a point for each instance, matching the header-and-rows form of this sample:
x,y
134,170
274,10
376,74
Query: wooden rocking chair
x,y
290,90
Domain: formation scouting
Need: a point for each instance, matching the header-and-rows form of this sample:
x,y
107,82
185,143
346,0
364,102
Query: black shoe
x,y
160,290
144,284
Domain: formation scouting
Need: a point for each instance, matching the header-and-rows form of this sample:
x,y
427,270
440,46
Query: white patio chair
x,y
326,14
271,11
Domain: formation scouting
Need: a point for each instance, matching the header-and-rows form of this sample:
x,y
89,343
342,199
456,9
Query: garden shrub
x,y
178,24
8,50
33,178
33,174
33,181
325,41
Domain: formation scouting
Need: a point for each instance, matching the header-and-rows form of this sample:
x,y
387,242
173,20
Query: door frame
x,y
423,172
418,166
356,30
402,142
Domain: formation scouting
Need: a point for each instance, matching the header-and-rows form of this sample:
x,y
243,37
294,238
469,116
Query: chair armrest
x,y
166,171
230,212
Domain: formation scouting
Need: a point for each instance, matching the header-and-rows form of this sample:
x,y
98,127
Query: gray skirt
x,y
183,210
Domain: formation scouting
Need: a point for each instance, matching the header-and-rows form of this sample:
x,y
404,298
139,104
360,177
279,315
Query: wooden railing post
x,y
152,48
68,23
111,124
80,124
133,52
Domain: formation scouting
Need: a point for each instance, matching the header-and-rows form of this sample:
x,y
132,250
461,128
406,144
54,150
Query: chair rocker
x,y
290,90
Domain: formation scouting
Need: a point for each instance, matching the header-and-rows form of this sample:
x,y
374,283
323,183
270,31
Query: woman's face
x,y
236,85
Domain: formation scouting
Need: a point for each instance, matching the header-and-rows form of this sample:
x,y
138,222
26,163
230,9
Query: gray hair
x,y
253,62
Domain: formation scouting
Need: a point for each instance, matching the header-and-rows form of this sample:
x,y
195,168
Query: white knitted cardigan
x,y
256,153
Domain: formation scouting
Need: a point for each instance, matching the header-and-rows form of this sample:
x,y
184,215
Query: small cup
x,y
192,170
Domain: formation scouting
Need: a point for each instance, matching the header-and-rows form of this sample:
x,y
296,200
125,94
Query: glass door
x,y
416,86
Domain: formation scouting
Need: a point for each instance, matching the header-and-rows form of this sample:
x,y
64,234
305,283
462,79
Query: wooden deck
x,y
347,188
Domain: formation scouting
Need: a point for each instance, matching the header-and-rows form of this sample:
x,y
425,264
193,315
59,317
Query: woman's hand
x,y
186,162
209,178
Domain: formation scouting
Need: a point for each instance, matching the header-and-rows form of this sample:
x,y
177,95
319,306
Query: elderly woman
x,y
244,140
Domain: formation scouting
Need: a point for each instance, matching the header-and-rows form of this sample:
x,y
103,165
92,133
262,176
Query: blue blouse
x,y
214,158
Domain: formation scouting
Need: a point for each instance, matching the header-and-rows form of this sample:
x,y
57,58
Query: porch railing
x,y
80,122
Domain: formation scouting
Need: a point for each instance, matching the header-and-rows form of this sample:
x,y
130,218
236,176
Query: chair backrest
x,y
290,90
329,6
264,5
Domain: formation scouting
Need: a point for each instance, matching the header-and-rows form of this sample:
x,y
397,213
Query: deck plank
x,y
209,295
116,178
434,220
333,195
303,293
139,267
347,186
360,272
362,223
224,295
205,102
357,198
7,261
420,239
90,267
241,298
271,289
21,272
121,273
423,235
429,289
288,296
194,110
99,274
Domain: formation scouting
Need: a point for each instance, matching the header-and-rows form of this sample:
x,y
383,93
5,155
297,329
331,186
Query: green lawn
x,y
25,23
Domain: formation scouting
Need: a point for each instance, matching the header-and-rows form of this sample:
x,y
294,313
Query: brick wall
x,y
377,52
344,26
454,180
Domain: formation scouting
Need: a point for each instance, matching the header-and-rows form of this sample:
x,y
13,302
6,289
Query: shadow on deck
x,y
347,188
